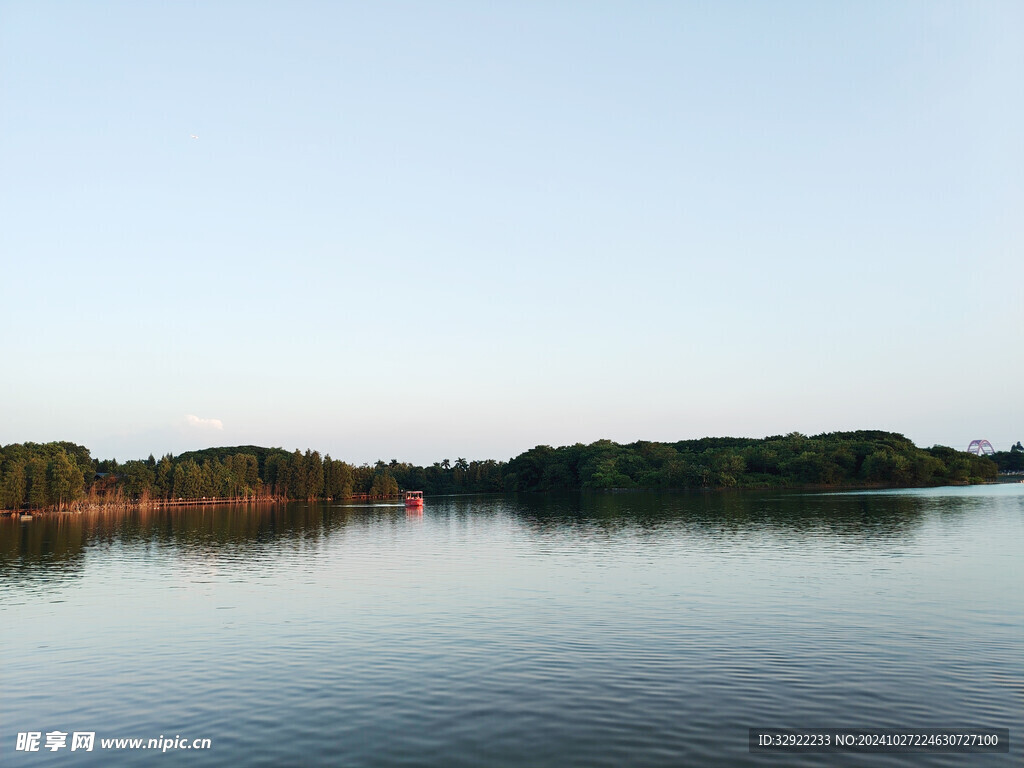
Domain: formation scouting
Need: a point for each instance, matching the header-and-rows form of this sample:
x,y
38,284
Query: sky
x,y
462,229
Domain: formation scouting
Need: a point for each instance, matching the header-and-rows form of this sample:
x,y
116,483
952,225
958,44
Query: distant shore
x,y
65,476
84,507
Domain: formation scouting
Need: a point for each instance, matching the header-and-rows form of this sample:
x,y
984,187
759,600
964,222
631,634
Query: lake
x,y
630,629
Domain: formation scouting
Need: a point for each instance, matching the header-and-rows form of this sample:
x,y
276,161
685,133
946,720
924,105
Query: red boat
x,y
414,498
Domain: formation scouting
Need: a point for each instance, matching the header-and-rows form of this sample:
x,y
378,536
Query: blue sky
x,y
429,230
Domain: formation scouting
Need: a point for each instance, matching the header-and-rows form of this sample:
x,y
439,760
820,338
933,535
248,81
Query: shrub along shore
x,y
64,476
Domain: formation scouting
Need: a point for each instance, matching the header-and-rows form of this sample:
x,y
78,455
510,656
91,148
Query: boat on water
x,y
414,498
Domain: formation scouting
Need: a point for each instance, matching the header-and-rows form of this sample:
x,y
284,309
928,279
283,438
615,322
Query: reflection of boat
x,y
414,498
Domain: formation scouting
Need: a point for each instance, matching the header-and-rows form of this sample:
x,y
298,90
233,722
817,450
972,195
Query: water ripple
x,y
641,630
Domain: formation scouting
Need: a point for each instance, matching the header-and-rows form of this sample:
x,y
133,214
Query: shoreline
x,y
78,508
82,507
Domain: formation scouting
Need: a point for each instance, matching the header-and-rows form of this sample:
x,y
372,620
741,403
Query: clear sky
x,y
423,230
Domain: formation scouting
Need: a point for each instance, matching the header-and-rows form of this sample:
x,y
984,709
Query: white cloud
x,y
197,422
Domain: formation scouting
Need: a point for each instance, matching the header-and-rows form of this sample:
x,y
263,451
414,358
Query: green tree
x,y
272,475
137,479
164,480
884,465
13,485
811,467
36,493
298,480
64,480
728,466
314,475
188,480
384,484
337,478
607,475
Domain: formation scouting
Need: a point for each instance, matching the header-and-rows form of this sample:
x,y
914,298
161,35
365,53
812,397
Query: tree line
x,y
1011,460
830,459
59,475
62,474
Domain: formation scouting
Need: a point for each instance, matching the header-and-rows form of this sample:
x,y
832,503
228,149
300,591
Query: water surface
x,y
605,630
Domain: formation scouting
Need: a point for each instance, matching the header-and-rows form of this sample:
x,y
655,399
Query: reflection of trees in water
x,y
724,512
44,547
57,545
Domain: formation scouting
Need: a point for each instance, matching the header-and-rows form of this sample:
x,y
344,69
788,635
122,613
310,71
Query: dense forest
x,y
793,460
63,475
1011,460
